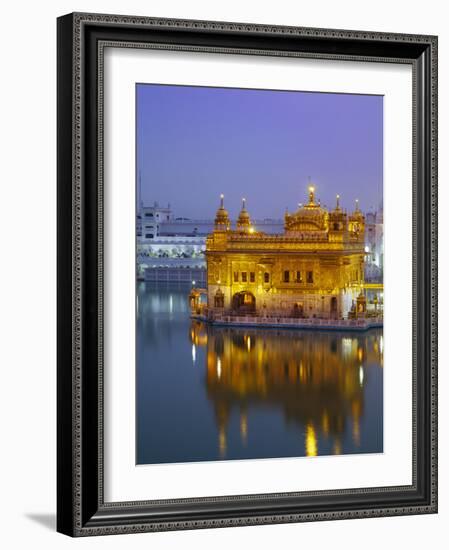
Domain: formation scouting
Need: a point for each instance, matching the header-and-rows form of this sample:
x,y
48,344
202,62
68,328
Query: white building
x,y
374,245
149,219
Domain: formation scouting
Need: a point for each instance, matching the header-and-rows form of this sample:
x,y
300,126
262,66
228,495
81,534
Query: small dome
x,y
337,217
244,220
244,215
222,222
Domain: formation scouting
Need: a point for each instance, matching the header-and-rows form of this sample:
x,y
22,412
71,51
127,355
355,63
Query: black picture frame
x,y
81,510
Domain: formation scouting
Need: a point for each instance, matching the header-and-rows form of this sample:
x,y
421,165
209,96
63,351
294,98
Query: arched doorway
x,y
298,310
244,302
219,299
334,310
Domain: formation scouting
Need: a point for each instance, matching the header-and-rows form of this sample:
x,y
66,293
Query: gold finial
x,y
311,194
338,202
222,201
243,203
356,205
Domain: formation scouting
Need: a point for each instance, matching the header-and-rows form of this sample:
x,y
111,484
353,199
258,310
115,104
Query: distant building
x,y
166,251
374,247
314,268
197,227
149,220
155,221
172,259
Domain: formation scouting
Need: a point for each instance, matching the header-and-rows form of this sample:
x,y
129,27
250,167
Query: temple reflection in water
x,y
219,393
316,379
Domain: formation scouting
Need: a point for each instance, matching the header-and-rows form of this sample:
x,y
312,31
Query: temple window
x,y
252,277
286,276
266,277
310,276
236,277
298,277
244,277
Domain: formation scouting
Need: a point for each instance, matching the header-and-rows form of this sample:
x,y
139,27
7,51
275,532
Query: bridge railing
x,y
293,321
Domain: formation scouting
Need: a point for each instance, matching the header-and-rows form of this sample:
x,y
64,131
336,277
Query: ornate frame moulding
x,y
82,38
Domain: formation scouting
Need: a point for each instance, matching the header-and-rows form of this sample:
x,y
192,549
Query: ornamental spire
x,y
311,194
222,222
244,220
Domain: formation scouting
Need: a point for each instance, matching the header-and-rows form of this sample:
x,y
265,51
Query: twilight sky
x,y
194,143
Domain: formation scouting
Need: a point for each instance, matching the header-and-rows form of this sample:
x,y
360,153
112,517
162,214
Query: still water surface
x,y
206,393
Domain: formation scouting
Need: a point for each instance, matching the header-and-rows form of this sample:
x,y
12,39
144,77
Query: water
x,y
207,393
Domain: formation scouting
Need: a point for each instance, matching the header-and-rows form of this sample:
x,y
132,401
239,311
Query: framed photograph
x,y
247,277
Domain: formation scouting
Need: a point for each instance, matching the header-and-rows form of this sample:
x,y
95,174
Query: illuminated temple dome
x,y
222,222
244,220
309,217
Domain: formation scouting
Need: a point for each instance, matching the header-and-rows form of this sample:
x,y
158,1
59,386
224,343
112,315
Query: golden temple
x,y
314,269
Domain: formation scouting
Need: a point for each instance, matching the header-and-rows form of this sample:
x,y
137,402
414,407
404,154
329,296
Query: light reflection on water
x,y
209,393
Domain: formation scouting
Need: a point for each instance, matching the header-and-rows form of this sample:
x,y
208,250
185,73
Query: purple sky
x,y
194,143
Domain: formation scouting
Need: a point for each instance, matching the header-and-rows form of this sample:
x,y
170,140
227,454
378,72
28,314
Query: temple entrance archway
x,y
219,299
244,302
298,310
334,308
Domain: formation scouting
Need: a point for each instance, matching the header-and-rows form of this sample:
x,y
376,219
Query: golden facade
x,y
315,268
